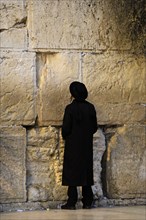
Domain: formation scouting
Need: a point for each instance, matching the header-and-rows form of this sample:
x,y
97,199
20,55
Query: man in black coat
x,y
79,125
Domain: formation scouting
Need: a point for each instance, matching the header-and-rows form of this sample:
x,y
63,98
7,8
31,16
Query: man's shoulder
x,y
90,104
73,104
69,106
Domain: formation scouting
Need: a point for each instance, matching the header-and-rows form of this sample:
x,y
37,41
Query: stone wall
x,y
45,45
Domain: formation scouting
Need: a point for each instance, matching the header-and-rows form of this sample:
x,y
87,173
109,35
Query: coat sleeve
x,y
94,121
67,123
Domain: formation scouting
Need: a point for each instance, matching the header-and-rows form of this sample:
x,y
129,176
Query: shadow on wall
x,y
129,17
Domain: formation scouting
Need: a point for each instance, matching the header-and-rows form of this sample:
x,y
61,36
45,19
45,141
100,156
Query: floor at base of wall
x,y
103,202
116,213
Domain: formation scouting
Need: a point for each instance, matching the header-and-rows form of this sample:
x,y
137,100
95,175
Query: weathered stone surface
x,y
104,202
126,158
43,137
44,165
17,88
120,113
115,78
13,172
14,38
13,13
99,148
116,84
55,73
85,24
13,33
38,194
65,35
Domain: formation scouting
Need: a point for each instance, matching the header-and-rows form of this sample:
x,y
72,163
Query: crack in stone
x,y
19,24
33,125
3,29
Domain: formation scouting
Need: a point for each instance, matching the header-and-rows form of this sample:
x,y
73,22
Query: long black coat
x,y
79,125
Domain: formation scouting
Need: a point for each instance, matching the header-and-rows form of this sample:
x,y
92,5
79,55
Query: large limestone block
x,y
13,12
120,113
55,73
84,24
14,38
13,171
17,88
39,180
115,78
116,84
43,137
44,165
126,162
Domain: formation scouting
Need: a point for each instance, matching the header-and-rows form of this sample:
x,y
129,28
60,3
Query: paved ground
x,y
117,213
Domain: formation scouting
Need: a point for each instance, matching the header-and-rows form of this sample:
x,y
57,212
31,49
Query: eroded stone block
x,y
13,12
13,171
81,24
55,73
99,147
115,78
17,88
43,137
14,38
44,165
126,157
116,85
122,113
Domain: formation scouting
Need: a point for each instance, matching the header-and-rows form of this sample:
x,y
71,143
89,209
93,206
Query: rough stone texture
x,y
104,202
98,42
44,165
120,113
116,84
126,160
98,150
115,78
85,24
14,38
17,88
12,167
55,72
13,13
13,32
43,137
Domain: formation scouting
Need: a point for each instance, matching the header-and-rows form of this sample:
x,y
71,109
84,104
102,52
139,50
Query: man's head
x,y
78,90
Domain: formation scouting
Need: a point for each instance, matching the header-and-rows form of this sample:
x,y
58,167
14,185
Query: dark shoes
x,y
87,207
72,207
69,207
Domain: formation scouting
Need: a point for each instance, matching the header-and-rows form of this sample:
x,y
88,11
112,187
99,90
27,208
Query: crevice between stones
x,y
108,131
